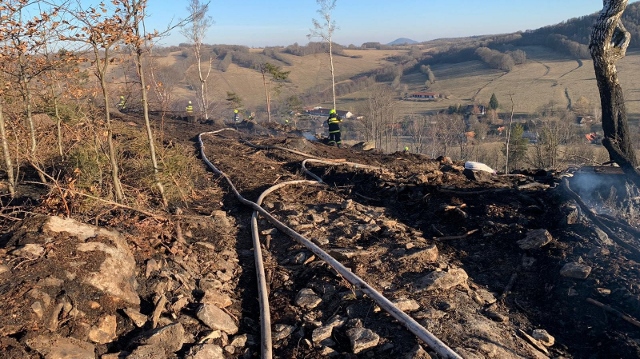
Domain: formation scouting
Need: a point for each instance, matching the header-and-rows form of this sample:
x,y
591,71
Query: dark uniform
x,y
334,128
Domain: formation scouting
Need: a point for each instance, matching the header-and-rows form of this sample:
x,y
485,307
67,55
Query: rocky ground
x,y
495,266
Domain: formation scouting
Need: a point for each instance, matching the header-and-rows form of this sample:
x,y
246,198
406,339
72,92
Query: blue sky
x,y
258,23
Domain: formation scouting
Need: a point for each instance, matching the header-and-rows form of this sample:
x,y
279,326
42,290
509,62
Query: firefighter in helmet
x,y
122,105
189,111
334,128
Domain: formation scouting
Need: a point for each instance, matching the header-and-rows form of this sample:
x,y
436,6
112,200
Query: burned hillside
x,y
529,264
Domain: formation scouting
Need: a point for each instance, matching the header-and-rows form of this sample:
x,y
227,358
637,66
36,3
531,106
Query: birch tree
x,y
195,32
609,42
324,29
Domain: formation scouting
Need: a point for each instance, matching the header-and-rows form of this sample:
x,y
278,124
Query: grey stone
x,y
116,275
170,337
105,331
575,270
427,255
429,314
319,335
543,337
406,305
239,341
495,316
307,298
217,298
147,352
29,251
439,280
321,241
282,331
138,318
205,351
61,348
216,319
603,238
417,353
535,239
479,176
362,339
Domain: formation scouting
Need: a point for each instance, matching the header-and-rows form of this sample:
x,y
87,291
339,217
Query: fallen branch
x,y
458,237
596,220
615,311
115,204
484,191
367,198
507,289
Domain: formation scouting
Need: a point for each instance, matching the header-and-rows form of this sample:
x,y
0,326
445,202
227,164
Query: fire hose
x,y
266,346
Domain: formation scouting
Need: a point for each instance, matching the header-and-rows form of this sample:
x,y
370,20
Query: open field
x,y
546,77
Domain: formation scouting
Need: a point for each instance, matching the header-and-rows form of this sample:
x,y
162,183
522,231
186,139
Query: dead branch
x,y
512,281
115,204
596,220
458,237
610,309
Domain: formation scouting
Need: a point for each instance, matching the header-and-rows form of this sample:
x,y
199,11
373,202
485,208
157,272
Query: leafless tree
x,y
102,29
508,136
417,127
23,42
552,134
6,154
378,113
449,132
609,42
324,29
195,31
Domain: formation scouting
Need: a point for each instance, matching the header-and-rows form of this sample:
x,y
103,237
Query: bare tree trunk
x,y
113,159
266,94
147,124
26,95
506,162
333,75
7,155
58,122
609,42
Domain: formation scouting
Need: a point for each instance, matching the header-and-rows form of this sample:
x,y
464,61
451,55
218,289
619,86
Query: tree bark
x,y
609,42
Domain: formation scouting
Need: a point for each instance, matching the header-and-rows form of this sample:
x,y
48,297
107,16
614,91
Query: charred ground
x,y
381,223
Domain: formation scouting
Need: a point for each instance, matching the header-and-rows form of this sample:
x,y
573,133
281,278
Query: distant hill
x,y
402,41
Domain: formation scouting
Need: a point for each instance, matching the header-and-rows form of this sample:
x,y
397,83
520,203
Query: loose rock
x,y
575,270
362,339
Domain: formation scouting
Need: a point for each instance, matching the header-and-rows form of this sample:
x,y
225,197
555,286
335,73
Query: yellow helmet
x,y
332,111
235,111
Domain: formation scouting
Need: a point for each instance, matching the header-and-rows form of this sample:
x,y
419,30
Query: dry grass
x,y
546,77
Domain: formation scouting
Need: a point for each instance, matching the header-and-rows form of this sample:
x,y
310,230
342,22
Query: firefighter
x,y
122,105
235,115
189,110
334,128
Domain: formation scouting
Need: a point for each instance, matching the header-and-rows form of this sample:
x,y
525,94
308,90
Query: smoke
x,y
606,191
